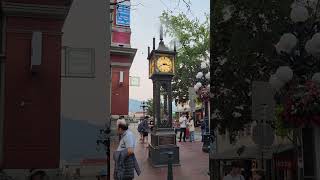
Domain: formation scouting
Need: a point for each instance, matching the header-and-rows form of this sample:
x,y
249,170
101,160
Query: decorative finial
x,y
154,44
161,33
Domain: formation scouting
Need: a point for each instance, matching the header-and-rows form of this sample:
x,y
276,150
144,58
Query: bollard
x,y
170,168
170,171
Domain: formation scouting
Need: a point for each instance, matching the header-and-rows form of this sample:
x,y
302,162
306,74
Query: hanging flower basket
x,y
302,107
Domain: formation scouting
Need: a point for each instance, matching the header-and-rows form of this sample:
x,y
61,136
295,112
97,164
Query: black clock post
x,y
163,137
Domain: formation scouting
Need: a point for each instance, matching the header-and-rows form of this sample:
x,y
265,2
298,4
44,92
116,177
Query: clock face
x,y
164,64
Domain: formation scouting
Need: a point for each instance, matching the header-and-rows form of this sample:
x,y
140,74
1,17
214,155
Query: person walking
x,y
203,129
140,129
183,127
145,129
191,129
121,120
257,174
235,173
102,175
124,157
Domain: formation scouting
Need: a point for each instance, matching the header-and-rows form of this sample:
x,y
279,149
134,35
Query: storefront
x,y
285,165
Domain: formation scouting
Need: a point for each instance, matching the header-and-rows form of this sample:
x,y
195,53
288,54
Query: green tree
x,y
192,37
149,104
242,47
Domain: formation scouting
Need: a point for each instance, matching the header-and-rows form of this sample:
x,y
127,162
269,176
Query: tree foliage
x,y
243,37
149,104
192,37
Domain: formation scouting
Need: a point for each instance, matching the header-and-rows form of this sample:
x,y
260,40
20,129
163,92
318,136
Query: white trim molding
x,y
121,45
120,64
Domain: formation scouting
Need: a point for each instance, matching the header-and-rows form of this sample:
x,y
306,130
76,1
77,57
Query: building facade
x,y
122,56
85,86
31,35
27,103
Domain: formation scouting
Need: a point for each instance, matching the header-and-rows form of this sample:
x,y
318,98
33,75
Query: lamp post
x,y
144,106
202,88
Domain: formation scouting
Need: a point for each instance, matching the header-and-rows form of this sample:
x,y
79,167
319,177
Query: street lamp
x,y
144,106
202,88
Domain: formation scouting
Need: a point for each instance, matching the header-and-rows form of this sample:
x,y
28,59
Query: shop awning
x,y
252,152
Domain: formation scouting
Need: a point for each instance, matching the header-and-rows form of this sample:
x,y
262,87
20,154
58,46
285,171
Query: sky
x,y
145,25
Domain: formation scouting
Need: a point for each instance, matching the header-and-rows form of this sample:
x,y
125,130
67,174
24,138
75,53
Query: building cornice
x,y
119,64
124,51
34,10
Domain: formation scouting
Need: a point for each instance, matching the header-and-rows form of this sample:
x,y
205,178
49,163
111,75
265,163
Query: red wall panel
x,y
32,131
120,93
120,59
121,37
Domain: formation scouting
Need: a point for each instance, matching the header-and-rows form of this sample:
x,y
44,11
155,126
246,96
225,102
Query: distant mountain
x,y
134,106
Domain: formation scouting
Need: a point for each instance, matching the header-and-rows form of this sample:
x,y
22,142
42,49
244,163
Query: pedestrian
x,y
145,129
203,129
102,175
121,120
38,175
67,173
183,127
235,173
257,174
151,124
140,130
124,157
191,129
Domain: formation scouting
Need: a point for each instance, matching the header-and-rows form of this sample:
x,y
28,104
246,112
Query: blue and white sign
x,y
123,15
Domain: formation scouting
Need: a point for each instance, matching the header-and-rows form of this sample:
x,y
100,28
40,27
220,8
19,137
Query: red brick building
x,y
122,56
30,83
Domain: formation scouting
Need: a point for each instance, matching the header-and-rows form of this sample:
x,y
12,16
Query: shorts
x,y
145,134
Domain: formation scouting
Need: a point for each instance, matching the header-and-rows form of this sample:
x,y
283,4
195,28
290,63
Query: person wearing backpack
x,y
145,129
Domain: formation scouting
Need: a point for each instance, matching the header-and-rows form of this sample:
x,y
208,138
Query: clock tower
x,y
161,72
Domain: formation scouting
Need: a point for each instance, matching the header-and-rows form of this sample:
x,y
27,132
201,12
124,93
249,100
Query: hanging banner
x,y
123,15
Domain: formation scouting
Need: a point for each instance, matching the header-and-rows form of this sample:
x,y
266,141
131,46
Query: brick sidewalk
x,y
194,163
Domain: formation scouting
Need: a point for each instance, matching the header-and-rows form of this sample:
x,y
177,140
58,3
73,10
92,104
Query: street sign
x,y
263,135
123,15
263,104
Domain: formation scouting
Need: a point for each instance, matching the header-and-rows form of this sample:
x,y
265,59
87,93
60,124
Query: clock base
x,y
163,142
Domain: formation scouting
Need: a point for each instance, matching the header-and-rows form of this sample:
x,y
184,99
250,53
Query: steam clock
x,y
161,72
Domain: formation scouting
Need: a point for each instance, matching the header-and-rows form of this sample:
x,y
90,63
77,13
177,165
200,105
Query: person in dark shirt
x,y
203,129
